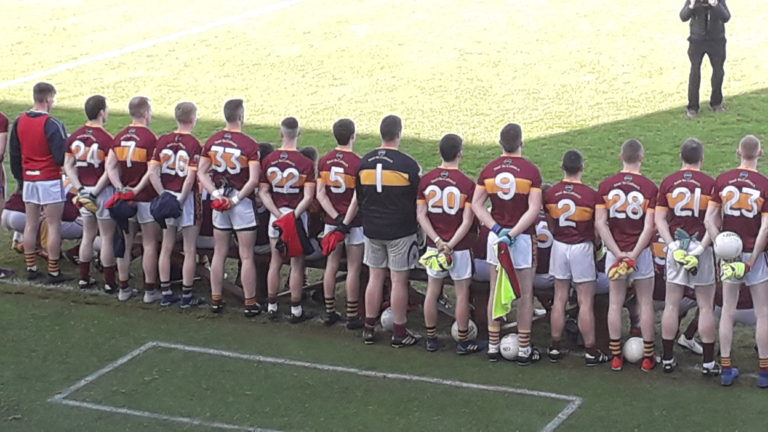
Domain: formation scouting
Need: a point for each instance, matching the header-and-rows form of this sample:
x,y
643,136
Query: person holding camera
x,y
708,18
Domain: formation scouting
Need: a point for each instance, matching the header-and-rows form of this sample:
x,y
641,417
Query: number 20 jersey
x,y
445,192
508,181
231,153
629,198
287,172
742,194
134,147
686,195
177,154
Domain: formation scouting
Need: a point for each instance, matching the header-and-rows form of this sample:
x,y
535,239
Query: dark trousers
x,y
715,50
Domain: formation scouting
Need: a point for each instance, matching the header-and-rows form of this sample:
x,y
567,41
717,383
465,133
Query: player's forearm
x,y
604,231
760,241
101,184
309,195
712,221
154,178
525,222
71,172
252,183
142,183
645,237
663,226
423,218
325,202
3,145
189,183
351,210
113,170
266,199
466,225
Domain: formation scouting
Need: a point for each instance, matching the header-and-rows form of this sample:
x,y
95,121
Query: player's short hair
x,y
343,130
391,127
186,112
139,106
749,147
290,128
42,91
94,105
265,149
511,137
310,152
632,151
450,147
692,151
234,110
573,162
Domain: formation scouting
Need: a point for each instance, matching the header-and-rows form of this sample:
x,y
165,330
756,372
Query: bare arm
x,y
3,143
604,231
662,225
530,215
324,200
204,175
101,184
71,171
351,210
254,172
189,183
645,236
761,241
309,195
468,219
266,199
478,206
113,170
713,220
422,215
153,172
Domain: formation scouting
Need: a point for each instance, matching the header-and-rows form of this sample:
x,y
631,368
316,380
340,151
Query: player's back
x,y
686,194
36,157
177,154
509,180
446,192
628,198
742,195
287,172
133,148
89,146
571,205
338,169
231,153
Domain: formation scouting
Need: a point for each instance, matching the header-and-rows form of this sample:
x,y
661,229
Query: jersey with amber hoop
x,y
89,146
338,170
287,172
231,154
571,205
508,181
446,192
387,185
133,148
685,194
177,154
741,193
628,198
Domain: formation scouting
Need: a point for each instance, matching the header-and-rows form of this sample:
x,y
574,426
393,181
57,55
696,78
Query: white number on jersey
x,y
686,195
336,178
571,209
446,200
83,159
505,181
226,159
284,181
732,196
131,148
630,204
174,163
543,235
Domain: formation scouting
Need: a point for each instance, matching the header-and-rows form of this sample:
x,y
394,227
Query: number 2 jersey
x,y
686,195
741,193
338,170
231,154
134,147
508,181
287,172
571,205
446,192
89,146
177,154
629,198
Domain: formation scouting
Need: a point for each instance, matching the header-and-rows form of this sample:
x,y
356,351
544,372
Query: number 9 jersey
x,y
742,194
508,181
629,199
686,194
177,154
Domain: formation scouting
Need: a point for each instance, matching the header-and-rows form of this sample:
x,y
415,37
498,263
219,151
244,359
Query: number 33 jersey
x,y
629,198
686,195
287,172
445,192
231,153
508,181
742,194
177,154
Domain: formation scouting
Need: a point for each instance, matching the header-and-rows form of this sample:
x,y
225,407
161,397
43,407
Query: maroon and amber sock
x,y
249,302
330,304
53,266
370,323
668,345
85,270
615,346
150,286
398,330
763,364
124,285
31,260
110,277
216,298
431,332
647,348
555,344
352,309
524,338
725,362
591,350
463,335
494,336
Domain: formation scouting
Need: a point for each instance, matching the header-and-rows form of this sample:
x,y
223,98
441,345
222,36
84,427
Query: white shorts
x,y
273,233
462,266
187,218
676,274
644,269
759,272
143,215
355,236
575,262
239,218
101,199
522,251
14,220
740,316
44,192
543,283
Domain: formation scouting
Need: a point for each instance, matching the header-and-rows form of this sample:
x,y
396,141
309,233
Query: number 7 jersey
x,y
629,198
742,194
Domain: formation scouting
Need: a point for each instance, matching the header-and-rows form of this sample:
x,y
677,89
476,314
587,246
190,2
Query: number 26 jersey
x,y
741,193
629,198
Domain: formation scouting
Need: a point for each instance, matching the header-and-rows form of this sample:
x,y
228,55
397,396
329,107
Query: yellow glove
x,y
733,271
680,256
86,200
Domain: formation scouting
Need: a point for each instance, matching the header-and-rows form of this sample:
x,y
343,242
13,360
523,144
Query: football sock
x,y
150,286
463,335
668,347
398,330
647,348
272,299
370,323
85,270
615,346
763,363
249,302
186,291
31,260
524,338
431,332
591,350
494,339
123,285
109,276
272,307
53,266
352,309
330,304
296,309
709,352
555,344
690,332
165,287
725,362
216,298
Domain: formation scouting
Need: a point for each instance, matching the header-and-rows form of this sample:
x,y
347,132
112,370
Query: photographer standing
x,y
708,18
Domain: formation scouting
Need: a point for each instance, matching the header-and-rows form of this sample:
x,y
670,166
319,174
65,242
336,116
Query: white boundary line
x,y
264,10
574,402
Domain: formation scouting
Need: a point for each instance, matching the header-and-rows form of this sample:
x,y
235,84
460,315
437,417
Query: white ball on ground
x,y
727,245
472,330
509,346
633,349
387,319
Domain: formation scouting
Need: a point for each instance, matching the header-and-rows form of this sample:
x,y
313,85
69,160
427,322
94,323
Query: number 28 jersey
x,y
445,192
742,193
508,181
231,153
177,154
89,146
629,198
686,194
287,172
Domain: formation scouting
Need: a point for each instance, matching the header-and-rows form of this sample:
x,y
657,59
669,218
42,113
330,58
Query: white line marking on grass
x,y
264,10
574,402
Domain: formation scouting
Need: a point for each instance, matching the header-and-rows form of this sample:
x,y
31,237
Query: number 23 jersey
x,y
742,194
508,181
629,198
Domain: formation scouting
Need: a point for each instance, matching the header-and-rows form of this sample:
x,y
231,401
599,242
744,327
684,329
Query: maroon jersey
x,y
571,205
231,154
177,154
134,147
3,123
742,195
508,181
629,198
446,192
338,170
89,146
686,194
287,172
543,244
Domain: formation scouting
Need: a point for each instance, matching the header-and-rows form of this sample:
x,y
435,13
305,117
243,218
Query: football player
x,y
229,171
173,169
513,185
287,186
127,164
444,211
335,189
570,206
624,221
681,206
37,145
84,165
739,204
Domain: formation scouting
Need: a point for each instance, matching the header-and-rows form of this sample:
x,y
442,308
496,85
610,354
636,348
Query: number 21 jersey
x,y
629,198
686,194
742,194
508,181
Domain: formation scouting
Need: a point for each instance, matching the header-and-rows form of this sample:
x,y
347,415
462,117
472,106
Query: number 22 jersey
x,y
287,172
